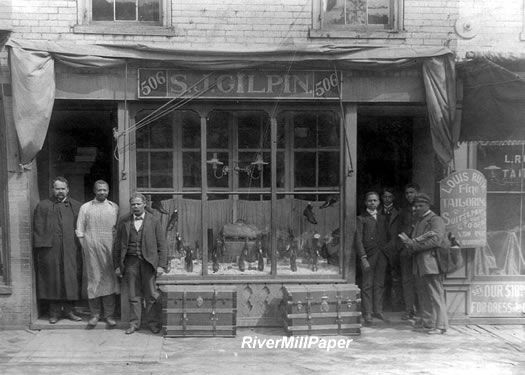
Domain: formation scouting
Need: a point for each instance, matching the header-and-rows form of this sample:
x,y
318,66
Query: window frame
x,y
475,157
320,30
204,110
86,25
5,277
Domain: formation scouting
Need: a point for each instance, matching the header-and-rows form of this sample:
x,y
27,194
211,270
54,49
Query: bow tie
x,y
138,218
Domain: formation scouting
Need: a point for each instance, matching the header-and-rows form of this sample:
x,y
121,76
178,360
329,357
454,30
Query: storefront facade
x,y
253,172
268,156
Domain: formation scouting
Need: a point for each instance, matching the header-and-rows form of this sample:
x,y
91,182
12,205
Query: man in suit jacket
x,y
393,245
408,283
428,236
370,244
140,255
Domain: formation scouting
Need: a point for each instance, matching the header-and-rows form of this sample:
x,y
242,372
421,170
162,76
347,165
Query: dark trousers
x,y
374,284
408,283
59,307
140,277
396,289
105,302
435,300
425,305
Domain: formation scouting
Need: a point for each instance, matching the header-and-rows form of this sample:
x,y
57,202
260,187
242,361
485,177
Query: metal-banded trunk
x,y
328,309
199,310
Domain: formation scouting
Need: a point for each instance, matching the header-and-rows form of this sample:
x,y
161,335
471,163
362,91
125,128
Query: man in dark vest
x,y
140,255
58,257
370,244
393,245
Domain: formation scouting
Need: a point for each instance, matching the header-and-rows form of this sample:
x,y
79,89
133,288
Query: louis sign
x,y
463,201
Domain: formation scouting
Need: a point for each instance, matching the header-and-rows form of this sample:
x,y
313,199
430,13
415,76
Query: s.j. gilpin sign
x,y
171,83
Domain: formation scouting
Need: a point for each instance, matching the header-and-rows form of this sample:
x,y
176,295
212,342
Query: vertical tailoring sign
x,y
463,201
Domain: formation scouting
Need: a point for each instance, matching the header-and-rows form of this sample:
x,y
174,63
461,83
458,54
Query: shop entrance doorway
x,y
384,159
79,146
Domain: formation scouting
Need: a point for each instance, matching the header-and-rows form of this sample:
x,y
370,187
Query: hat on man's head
x,y
422,198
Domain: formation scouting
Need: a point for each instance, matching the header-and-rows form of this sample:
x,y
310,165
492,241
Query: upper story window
x,y
126,10
356,18
143,17
369,13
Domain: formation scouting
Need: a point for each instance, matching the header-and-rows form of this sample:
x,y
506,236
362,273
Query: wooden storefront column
x,y
124,147
204,199
125,186
349,148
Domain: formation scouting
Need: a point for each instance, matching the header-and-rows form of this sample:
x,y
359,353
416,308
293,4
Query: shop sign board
x,y
501,299
172,83
503,164
463,203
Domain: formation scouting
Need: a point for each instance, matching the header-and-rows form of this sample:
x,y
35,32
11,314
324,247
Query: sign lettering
x,y
503,166
463,203
169,83
497,299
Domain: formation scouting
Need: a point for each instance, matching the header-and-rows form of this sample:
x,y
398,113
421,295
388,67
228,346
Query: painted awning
x,y
32,66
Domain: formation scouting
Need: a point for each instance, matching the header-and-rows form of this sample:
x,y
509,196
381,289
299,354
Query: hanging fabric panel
x,y
33,86
440,87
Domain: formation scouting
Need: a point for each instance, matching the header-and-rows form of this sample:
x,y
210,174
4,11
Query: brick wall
x,y
15,308
246,22
498,26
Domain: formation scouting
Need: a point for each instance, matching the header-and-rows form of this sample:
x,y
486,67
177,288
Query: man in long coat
x,y
140,255
96,227
426,238
58,259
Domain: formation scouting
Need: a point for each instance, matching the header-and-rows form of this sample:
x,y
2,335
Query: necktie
x,y
137,218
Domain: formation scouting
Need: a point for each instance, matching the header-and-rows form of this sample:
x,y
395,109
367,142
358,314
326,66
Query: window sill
x,y
125,30
355,34
5,290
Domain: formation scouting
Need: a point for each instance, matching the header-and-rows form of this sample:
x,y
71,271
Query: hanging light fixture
x,y
259,162
214,161
215,164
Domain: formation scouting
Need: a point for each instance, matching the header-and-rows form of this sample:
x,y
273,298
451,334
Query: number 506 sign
x,y
327,84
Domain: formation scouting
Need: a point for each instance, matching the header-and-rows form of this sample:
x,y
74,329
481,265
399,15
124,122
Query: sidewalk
x,y
382,349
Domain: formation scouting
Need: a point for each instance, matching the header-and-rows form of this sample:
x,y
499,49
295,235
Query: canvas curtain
x,y
32,75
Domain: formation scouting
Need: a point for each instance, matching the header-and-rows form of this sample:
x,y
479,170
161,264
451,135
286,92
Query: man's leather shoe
x,y
154,329
368,320
407,316
131,330
93,321
53,320
380,316
111,322
437,331
73,317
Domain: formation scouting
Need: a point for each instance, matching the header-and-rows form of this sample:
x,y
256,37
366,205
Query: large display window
x,y
245,192
503,164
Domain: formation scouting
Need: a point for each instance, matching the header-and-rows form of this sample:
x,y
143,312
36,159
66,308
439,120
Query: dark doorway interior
x,y
79,146
384,159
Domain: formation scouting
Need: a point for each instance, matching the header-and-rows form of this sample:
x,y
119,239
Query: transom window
x,y
126,10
